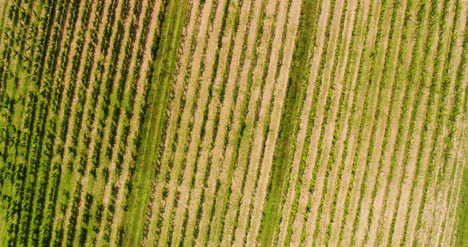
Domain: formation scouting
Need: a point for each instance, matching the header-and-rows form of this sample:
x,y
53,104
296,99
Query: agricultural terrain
x,y
233,123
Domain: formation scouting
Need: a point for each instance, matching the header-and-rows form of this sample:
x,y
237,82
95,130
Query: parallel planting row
x,y
74,81
233,122
313,123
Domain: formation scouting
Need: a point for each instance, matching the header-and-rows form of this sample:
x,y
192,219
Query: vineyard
x,y
233,123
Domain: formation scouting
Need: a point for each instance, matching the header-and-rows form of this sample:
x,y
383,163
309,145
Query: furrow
x,y
204,184
307,111
184,54
186,125
203,96
398,91
340,93
396,155
387,78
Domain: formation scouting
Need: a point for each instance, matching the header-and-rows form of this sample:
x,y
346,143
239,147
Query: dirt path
x,y
352,69
300,140
185,123
387,78
172,160
324,126
279,95
410,162
395,158
364,139
107,138
338,213
448,238
131,150
237,114
60,66
3,19
246,170
78,87
331,128
316,58
460,154
63,76
438,209
208,221
85,129
414,142
324,86
401,71
202,99
240,108
72,118
184,55
199,189
357,108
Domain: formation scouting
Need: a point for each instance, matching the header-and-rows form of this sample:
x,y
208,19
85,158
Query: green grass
x,y
290,120
462,213
164,67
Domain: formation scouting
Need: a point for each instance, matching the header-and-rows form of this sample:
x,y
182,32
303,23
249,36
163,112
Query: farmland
x,y
233,123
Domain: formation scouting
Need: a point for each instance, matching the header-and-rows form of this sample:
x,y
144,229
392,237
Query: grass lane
x,y
165,58
296,89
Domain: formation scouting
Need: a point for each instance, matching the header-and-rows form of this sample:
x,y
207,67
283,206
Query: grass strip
x,y
165,56
462,214
296,90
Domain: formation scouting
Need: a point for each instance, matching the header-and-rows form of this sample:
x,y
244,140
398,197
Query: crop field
x,y
233,123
